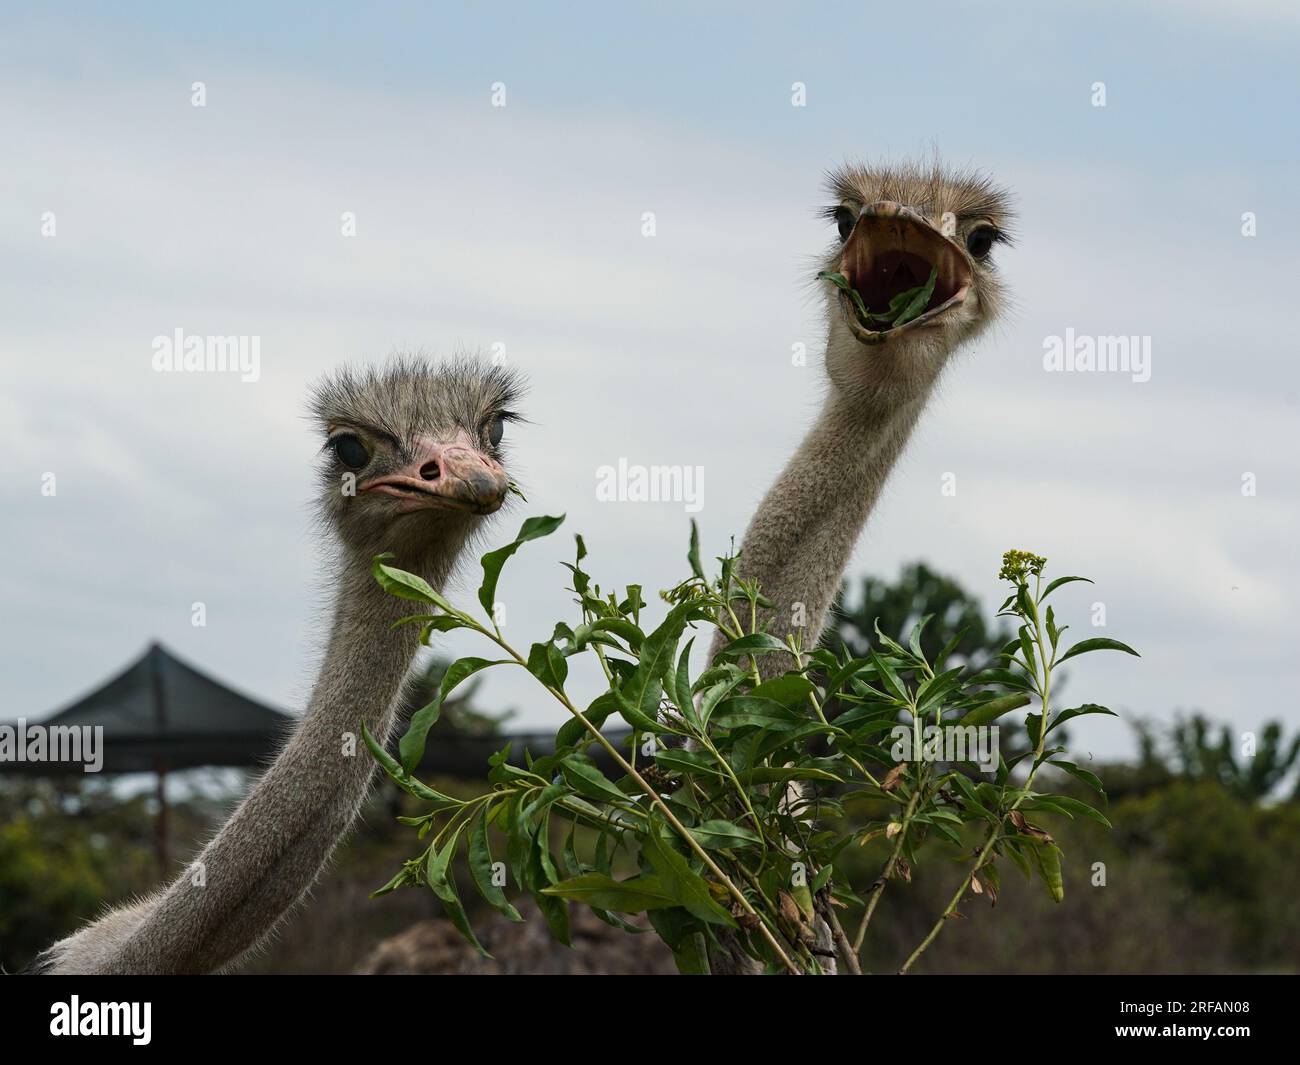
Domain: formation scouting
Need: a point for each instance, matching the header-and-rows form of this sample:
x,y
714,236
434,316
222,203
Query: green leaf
x,y
756,643
1047,856
678,760
532,529
444,886
692,955
402,878
1091,779
574,730
386,760
788,690
620,627
1079,711
406,585
985,713
630,706
1008,678
693,555
741,710
685,885
411,747
1015,851
717,835
711,697
546,663
623,896
936,688
584,778
950,646
1068,806
971,797
887,674
916,305
680,683
1027,649
541,875
774,774
420,790
1097,643
914,638
639,695
1057,583
480,867
443,623
849,669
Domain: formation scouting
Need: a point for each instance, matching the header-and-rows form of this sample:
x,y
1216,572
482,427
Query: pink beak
x,y
445,475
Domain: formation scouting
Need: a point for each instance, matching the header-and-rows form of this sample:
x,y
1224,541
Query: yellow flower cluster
x,y
1017,565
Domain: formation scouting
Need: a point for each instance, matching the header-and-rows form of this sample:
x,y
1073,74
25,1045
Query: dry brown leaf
x,y
790,910
892,777
1018,819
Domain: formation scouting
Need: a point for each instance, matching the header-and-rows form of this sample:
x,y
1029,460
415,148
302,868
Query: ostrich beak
x,y
893,249
449,476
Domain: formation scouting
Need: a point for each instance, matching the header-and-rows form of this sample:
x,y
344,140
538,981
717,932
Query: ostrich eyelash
x,y
999,236
344,430
505,416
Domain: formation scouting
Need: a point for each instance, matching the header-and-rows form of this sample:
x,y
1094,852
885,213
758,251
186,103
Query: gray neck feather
x,y
800,539
281,836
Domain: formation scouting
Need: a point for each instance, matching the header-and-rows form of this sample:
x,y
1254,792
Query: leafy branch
x,y
720,810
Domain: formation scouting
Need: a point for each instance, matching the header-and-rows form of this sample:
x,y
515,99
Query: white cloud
x,y
478,226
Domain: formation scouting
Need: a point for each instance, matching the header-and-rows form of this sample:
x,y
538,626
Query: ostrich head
x,y
413,453
897,225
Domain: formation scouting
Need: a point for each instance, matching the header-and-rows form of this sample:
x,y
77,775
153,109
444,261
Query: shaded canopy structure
x,y
160,715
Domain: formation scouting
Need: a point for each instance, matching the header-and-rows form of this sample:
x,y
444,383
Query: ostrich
x,y
896,225
411,464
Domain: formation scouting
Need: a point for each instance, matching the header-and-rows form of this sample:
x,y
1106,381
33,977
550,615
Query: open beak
x,y
893,250
447,476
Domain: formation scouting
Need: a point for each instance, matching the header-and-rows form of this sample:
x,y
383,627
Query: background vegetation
x,y
1202,867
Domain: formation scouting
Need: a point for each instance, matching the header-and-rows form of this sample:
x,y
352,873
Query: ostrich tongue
x,y
902,308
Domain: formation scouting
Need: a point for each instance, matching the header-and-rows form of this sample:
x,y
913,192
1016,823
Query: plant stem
x,y
886,872
996,833
842,945
653,795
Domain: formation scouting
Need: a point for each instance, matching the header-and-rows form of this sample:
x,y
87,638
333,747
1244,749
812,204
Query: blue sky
x,y
225,220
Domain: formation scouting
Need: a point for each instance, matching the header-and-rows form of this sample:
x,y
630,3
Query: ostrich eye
x,y
846,220
351,451
496,430
980,242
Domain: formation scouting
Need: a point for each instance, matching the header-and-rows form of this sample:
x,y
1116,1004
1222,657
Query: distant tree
x,y
1194,749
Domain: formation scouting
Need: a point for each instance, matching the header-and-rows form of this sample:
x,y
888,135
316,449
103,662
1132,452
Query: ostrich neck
x,y
278,840
804,531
